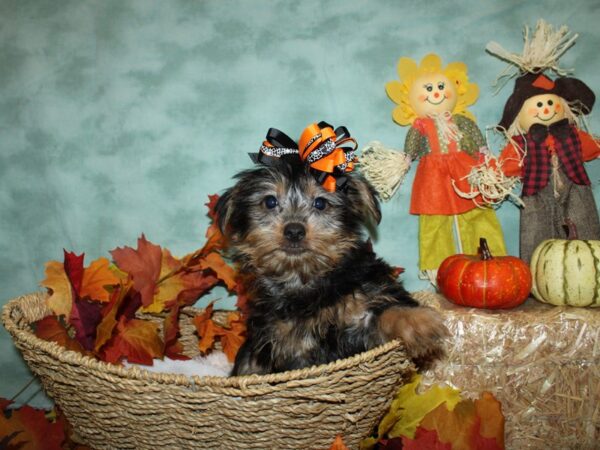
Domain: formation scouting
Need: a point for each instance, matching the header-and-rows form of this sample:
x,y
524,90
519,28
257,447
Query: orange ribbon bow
x,y
321,148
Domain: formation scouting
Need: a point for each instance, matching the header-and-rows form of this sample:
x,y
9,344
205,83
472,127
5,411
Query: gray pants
x,y
543,216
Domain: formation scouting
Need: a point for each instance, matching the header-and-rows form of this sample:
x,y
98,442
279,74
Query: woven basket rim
x,y
141,374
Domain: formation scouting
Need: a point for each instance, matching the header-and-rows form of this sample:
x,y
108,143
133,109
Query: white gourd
x,y
567,272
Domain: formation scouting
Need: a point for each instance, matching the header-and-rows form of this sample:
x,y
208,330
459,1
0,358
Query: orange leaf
x,y
489,409
338,444
207,329
173,347
234,336
28,428
224,272
50,329
462,426
105,328
424,440
136,340
143,265
95,278
61,298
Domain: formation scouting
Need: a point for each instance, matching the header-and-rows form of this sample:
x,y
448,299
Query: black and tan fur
x,y
318,292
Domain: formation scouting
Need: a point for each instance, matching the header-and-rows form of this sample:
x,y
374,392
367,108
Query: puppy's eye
x,y
270,201
320,203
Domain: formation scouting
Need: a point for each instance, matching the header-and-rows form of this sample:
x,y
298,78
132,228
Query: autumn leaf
x,y
85,317
462,426
136,340
173,347
234,336
178,282
224,272
143,265
408,409
95,278
489,409
207,330
61,297
338,444
51,329
74,269
28,428
424,440
242,295
124,302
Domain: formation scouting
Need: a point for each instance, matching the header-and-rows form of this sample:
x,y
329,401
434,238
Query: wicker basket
x,y
110,406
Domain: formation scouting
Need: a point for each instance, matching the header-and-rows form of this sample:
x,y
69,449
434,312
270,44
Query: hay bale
x,y
542,362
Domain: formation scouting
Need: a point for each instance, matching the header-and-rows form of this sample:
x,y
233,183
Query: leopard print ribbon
x,y
320,147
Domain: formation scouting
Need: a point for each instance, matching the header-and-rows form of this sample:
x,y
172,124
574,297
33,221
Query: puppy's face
x,y
281,223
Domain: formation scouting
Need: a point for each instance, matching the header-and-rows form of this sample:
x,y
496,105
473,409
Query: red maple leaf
x,y
28,428
425,440
85,317
136,340
50,328
143,265
74,269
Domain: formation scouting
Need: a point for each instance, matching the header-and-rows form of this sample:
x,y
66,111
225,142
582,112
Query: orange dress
x,y
443,162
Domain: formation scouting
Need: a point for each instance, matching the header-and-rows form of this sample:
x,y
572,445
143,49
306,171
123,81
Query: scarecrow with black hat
x,y
547,147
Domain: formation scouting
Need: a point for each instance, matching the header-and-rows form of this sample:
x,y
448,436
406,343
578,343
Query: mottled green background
x,y
120,117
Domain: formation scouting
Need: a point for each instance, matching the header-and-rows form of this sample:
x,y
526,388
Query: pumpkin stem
x,y
571,229
484,250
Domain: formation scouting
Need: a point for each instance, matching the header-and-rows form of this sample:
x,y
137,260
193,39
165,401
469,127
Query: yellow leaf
x,y
415,406
95,277
408,409
224,272
61,298
169,287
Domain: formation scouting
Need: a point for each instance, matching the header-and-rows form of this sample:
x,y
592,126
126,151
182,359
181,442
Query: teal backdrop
x,y
119,117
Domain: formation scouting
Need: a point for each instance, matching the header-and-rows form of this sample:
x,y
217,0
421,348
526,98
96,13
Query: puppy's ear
x,y
223,210
364,202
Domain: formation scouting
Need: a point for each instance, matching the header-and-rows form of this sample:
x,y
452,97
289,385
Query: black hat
x,y
531,84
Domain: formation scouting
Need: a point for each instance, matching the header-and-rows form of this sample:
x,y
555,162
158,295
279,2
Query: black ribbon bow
x,y
560,130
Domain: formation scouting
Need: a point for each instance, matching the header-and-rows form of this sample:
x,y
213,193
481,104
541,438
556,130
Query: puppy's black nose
x,y
294,232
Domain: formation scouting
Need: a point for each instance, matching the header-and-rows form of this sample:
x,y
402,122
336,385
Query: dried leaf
x,y
61,298
173,347
51,329
136,340
143,265
28,428
85,317
224,272
74,269
175,279
462,426
207,330
95,279
424,440
489,409
234,336
408,409
338,444
124,302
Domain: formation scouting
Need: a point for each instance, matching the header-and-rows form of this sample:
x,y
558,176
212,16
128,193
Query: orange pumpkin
x,y
484,281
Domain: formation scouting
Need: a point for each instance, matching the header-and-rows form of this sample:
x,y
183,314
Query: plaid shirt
x,y
538,166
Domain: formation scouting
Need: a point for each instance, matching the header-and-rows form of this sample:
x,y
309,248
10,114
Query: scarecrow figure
x,y
546,146
445,139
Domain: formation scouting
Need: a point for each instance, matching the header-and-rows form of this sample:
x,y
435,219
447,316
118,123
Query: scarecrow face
x,y
544,109
432,94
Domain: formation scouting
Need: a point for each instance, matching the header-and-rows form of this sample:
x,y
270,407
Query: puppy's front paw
x,y
421,328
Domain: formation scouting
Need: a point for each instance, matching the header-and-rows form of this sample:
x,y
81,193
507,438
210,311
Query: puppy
x,y
318,292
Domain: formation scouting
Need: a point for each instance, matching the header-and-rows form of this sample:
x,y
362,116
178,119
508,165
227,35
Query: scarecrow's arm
x,y
590,148
510,161
472,140
415,145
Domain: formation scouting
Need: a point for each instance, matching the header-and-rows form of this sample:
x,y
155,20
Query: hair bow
x,y
323,150
320,147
